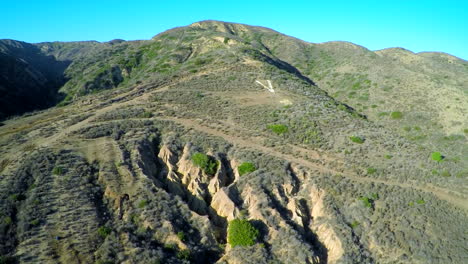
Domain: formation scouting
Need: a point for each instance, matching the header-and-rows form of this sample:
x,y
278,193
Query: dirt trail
x,y
441,193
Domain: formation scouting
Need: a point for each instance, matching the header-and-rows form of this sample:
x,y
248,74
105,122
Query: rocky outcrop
x,y
205,194
322,227
223,205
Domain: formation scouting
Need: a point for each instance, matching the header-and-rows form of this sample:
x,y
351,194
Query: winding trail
x,y
441,193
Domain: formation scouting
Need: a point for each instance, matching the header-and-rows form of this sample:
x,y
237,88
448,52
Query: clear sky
x,y
416,25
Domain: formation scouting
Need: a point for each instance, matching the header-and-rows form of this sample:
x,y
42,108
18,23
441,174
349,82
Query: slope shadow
x,y
29,79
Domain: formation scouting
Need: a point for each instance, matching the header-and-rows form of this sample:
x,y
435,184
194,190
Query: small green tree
x,y
181,236
396,115
57,170
278,128
437,156
184,254
246,167
104,231
241,233
357,139
207,164
142,203
366,201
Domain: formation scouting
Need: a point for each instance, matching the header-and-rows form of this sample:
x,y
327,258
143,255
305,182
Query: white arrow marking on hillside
x,y
269,87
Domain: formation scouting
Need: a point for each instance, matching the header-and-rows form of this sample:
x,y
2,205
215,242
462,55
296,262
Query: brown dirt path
x,y
441,193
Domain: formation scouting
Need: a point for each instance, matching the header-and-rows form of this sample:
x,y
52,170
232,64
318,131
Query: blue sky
x,y
414,25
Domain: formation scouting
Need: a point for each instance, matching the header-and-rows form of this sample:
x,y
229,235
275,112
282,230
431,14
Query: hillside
x,y
157,146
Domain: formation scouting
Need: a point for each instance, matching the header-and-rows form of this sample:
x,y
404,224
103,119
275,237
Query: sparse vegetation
x,y
184,254
17,197
7,220
3,164
445,174
147,115
57,170
142,203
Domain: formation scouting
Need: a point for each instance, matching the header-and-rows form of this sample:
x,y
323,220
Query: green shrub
x,y
396,115
366,201
57,170
342,107
104,231
241,233
369,201
7,220
437,156
147,115
445,174
184,254
246,167
354,224
170,247
371,170
357,139
142,203
462,174
278,128
388,156
420,201
181,236
34,222
16,197
207,164
200,61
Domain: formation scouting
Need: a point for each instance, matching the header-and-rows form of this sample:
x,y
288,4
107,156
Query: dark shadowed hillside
x,y
227,143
